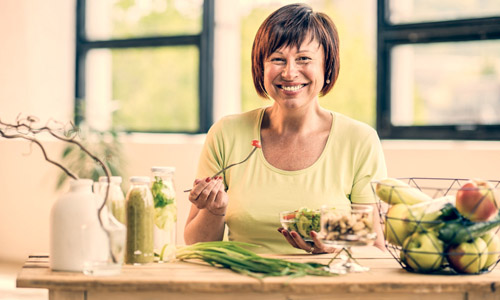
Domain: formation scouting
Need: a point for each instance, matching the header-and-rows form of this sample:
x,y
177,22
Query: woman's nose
x,y
290,71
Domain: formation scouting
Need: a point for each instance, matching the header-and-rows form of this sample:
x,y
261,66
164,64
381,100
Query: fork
x,y
255,144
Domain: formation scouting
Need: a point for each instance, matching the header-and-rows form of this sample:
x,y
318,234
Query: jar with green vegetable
x,y
165,213
140,214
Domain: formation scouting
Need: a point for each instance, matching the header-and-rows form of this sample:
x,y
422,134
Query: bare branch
x,y
34,140
24,129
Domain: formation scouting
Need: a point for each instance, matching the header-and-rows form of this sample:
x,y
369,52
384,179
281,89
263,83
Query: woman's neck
x,y
299,121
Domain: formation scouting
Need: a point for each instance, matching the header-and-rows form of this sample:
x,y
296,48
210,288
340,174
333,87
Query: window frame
x,y
390,35
204,41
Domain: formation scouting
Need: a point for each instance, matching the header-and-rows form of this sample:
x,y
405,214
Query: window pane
x,y
446,83
147,89
413,11
119,19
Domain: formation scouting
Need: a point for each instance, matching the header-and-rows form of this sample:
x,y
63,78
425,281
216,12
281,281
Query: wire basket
x,y
440,225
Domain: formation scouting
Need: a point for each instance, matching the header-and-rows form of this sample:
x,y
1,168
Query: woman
x,y
310,156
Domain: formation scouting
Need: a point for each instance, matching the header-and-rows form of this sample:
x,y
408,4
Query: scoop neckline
x,y
294,172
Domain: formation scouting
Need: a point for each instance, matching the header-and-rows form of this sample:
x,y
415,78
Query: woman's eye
x,y
278,60
304,59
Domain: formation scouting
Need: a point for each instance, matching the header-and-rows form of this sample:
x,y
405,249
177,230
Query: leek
x,y
232,255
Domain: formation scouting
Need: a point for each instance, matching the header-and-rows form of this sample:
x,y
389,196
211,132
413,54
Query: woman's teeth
x,y
292,88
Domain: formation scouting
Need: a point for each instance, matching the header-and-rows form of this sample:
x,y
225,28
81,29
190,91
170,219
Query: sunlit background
x,y
148,91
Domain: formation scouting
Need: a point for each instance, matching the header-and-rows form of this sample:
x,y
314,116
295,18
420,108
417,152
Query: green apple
x,y
396,229
402,220
423,252
493,243
468,257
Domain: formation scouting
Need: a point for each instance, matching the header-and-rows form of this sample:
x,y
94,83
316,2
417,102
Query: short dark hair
x,y
289,26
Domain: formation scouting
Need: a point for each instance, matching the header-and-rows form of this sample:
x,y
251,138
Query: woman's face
x,y
294,77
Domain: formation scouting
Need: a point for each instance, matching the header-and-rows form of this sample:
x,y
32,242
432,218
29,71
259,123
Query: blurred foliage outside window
x,y
143,88
416,11
141,18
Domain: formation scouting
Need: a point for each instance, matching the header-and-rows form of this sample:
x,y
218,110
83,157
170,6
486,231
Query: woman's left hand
x,y
298,242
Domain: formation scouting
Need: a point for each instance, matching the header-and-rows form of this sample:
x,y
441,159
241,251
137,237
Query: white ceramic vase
x,y
71,217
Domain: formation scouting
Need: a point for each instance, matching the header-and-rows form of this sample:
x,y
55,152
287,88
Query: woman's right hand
x,y
209,194
316,247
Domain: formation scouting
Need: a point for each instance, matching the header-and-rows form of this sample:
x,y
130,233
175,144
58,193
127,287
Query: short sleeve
x,y
370,166
212,154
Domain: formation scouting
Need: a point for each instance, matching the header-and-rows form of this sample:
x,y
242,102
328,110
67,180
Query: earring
x,y
328,81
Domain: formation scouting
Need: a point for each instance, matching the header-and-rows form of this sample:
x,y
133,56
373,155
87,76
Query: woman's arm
x,y
377,227
206,217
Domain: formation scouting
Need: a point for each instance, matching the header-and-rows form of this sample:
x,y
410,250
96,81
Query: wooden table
x,y
181,280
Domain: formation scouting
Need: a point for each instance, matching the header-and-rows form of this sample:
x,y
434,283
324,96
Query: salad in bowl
x,y
302,221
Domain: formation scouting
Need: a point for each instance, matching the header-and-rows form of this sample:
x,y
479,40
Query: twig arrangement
x,y
26,128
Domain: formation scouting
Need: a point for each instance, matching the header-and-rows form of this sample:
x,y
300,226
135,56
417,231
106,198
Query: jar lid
x,y
139,179
113,179
163,169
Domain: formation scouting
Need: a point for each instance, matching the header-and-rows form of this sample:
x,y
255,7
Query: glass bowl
x,y
302,221
347,227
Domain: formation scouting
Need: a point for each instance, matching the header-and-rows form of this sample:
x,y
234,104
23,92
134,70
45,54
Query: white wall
x,y
36,77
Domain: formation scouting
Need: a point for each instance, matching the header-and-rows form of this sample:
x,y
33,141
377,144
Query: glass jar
x,y
116,199
163,190
140,214
108,235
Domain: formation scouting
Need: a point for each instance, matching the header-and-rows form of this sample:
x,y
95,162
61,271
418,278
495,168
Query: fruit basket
x,y
440,225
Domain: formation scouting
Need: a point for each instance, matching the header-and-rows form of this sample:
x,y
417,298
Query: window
x,y
145,65
438,72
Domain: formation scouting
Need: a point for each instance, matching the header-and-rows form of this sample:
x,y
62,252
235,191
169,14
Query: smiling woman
x,y
310,156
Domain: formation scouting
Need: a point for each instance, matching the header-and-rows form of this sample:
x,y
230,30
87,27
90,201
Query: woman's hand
x,y
298,242
209,194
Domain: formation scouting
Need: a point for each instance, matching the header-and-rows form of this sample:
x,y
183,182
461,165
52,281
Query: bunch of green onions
x,y
232,255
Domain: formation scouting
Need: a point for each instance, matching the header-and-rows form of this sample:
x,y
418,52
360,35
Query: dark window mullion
x,y
182,40
206,67
383,121
80,62
476,29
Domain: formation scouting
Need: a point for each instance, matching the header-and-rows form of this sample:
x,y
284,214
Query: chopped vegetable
x,y
303,221
160,199
232,255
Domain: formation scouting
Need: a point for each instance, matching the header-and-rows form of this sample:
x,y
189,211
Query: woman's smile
x,y
291,88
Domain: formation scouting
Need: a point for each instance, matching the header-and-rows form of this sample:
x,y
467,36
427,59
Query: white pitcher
x,y
70,213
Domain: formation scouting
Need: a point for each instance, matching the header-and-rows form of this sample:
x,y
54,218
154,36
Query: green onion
x,y
232,255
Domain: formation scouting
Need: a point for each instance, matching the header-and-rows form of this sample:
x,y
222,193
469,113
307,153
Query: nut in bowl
x,y
440,225
348,227
302,221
